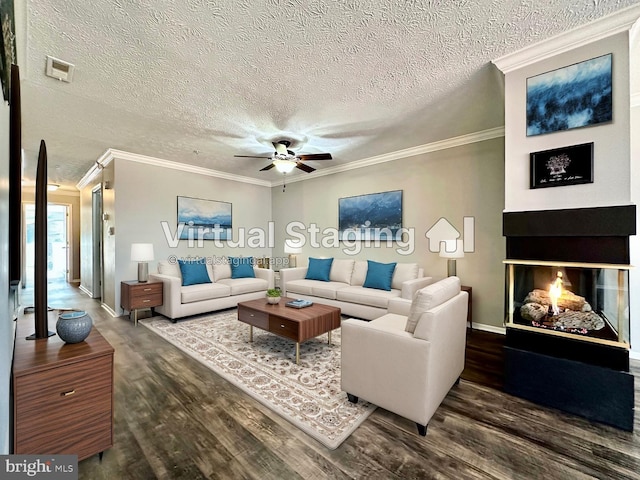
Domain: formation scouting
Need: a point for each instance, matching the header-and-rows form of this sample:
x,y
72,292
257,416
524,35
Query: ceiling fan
x,y
285,160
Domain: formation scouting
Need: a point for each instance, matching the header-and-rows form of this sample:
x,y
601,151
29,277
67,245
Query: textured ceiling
x,y
355,78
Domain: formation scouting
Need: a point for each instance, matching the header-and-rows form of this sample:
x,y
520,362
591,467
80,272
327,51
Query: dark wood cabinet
x,y
135,295
62,395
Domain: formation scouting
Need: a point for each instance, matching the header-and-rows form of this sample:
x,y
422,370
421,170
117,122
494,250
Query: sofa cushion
x,y
319,269
203,291
359,273
245,285
221,269
341,271
317,288
169,268
194,272
379,275
366,296
242,267
402,273
429,297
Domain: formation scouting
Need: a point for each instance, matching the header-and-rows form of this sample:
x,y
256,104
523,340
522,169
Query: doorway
x,y
57,244
96,208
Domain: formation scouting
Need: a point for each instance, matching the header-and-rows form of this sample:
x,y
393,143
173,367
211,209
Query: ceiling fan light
x,y
284,166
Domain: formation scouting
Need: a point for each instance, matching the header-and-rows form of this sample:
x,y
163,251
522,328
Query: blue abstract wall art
x,y
570,97
374,216
200,219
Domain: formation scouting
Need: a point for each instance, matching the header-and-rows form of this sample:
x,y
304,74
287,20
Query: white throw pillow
x,y
341,270
171,269
402,273
359,273
221,270
429,297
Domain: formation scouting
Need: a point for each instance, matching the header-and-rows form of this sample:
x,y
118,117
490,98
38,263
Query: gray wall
x,y
145,195
466,181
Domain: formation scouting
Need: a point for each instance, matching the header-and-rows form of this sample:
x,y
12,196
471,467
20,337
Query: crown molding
x,y
604,27
400,154
111,154
101,162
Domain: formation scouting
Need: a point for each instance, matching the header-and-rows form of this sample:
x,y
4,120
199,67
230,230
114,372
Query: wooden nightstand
x,y
135,296
469,311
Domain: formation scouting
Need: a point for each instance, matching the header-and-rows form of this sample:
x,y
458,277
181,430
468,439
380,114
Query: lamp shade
x,y
452,249
141,252
292,246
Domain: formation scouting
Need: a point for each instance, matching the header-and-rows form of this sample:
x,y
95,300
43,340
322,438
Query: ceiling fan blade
x,y
268,167
304,167
315,156
249,156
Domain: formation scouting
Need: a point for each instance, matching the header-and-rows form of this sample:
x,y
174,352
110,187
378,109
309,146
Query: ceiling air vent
x,y
59,69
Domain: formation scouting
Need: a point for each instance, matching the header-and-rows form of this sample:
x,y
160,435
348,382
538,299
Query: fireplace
x,y
567,310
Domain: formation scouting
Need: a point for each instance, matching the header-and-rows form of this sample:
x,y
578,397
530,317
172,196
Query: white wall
x,y
452,183
616,169
611,141
146,195
6,305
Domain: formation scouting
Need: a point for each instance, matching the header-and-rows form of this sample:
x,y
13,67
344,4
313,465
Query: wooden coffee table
x,y
298,324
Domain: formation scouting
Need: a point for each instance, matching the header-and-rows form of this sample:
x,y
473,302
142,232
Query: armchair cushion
x,y
193,272
319,269
430,297
379,275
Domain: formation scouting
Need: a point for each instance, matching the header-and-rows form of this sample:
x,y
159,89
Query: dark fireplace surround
x,y
584,378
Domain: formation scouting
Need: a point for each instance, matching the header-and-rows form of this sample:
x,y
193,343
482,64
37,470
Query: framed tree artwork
x,y
571,165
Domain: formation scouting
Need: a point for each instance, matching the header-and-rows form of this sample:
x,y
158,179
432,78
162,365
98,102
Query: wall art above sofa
x,y
204,219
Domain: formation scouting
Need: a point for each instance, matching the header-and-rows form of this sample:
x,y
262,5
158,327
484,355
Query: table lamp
x,y
451,254
292,247
142,253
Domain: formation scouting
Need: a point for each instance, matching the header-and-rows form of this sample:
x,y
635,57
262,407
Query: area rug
x,y
308,395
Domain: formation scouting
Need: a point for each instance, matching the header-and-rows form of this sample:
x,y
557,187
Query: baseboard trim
x,y
489,328
86,291
109,309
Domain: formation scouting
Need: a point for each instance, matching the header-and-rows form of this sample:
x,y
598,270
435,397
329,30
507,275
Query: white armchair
x,y
407,360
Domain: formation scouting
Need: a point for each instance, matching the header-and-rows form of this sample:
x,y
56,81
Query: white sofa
x,y
408,372
345,287
223,291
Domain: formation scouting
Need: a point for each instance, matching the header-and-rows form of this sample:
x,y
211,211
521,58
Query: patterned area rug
x,y
308,395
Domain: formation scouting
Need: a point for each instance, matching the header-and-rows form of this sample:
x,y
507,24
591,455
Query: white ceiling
x,y
355,78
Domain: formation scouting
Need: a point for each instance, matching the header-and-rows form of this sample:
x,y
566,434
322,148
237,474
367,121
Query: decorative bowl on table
x,y
74,327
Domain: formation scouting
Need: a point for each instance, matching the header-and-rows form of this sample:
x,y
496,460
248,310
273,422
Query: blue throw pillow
x,y
319,269
193,272
242,267
379,275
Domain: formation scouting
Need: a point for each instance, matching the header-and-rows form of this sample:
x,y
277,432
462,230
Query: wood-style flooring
x,y
175,419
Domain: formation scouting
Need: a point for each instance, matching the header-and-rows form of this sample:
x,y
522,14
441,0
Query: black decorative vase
x,y
74,327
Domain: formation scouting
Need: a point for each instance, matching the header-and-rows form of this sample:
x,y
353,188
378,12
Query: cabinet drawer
x,y
67,409
257,319
146,290
146,301
284,327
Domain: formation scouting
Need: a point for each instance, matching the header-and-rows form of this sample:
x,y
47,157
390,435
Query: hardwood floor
x,y
174,418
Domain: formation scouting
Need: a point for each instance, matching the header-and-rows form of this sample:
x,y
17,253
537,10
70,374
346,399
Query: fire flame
x,y
555,292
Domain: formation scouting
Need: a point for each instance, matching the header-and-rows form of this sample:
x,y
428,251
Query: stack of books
x,y
299,303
